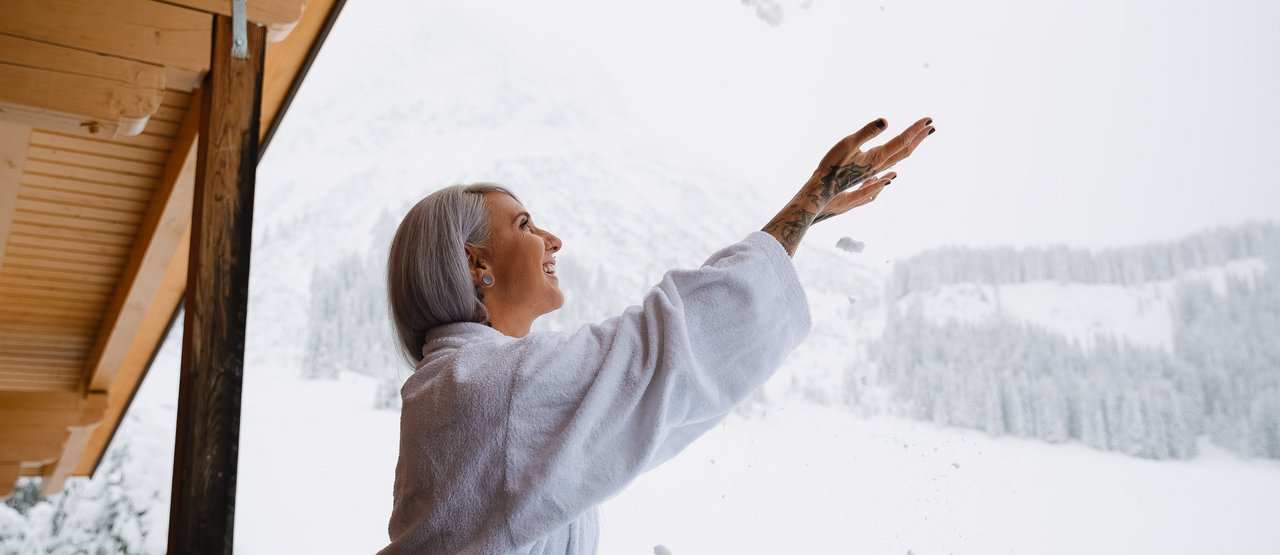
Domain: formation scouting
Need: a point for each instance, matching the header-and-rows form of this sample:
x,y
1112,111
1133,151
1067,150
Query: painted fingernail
x,y
932,130
880,123
930,122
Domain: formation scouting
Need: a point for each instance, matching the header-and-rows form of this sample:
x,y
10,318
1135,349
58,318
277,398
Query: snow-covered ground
x,y
789,478
808,479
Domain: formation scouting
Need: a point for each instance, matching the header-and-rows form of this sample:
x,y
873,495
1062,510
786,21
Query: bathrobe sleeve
x,y
592,409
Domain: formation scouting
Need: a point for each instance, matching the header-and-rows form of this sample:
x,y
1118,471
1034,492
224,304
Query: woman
x,y
509,440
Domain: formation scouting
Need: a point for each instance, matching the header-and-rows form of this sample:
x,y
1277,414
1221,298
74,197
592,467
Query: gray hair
x,y
428,277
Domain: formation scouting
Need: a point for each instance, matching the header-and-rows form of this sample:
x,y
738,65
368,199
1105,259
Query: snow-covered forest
x,y
1002,374
1121,266
1008,376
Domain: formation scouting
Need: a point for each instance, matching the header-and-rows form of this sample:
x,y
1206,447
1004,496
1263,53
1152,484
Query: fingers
x,y
878,181
891,159
905,152
873,188
852,143
849,200
907,139
868,132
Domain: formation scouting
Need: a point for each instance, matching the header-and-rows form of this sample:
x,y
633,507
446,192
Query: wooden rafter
x,y
70,89
42,427
279,16
150,289
139,30
157,242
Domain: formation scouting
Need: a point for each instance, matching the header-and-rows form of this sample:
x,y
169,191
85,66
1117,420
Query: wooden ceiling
x,y
98,125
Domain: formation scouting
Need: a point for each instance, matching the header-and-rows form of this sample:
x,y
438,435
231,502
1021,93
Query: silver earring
x,y
486,279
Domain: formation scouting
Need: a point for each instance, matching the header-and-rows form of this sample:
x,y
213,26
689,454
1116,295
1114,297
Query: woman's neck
x,y
511,327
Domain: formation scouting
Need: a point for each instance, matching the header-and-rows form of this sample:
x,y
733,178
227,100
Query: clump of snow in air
x,y
849,244
767,10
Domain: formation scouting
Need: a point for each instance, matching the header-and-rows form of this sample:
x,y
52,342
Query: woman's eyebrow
x,y
522,214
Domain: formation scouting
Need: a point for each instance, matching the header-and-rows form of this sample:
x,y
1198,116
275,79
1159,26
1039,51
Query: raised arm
x,y
594,408
829,192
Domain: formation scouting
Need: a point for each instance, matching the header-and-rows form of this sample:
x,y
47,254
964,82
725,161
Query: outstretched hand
x,y
847,165
830,191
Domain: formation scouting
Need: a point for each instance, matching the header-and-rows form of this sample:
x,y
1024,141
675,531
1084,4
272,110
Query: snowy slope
x,y
1139,313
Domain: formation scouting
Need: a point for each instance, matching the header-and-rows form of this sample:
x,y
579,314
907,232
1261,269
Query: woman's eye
x,y
524,224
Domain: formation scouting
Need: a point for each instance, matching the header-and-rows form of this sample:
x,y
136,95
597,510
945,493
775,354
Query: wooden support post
x,y
202,513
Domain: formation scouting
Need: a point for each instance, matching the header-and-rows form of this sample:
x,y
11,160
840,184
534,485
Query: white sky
x,y
1087,123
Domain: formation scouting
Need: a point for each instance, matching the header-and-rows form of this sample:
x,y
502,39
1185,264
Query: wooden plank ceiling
x,y
98,128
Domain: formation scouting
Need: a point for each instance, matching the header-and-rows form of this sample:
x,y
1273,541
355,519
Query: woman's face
x,y
519,257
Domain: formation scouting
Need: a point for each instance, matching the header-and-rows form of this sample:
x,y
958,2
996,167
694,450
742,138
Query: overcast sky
x,y
1079,122
1085,122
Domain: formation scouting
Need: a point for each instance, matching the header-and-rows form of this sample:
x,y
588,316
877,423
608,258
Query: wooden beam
x,y
152,288
279,16
202,509
14,139
137,362
40,451
157,242
140,30
41,427
75,90
33,419
62,402
9,473
72,450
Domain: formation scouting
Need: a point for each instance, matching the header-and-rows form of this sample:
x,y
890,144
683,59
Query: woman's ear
x,y
476,259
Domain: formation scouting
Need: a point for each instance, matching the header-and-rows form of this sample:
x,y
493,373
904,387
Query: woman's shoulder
x,y
469,351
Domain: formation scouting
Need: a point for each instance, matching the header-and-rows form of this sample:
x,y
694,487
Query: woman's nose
x,y
553,242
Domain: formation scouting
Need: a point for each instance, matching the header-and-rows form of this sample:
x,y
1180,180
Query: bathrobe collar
x,y
457,334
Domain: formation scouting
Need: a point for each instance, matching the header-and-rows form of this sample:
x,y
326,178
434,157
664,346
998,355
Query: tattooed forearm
x,y
841,178
790,225
806,209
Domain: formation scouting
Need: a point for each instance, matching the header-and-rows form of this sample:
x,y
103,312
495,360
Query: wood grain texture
x,y
279,15
202,512
39,428
156,244
142,350
73,447
76,90
14,140
139,30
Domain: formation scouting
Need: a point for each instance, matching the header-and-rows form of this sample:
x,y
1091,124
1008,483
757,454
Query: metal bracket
x,y
239,30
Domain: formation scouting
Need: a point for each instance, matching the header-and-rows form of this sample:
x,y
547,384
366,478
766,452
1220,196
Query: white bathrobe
x,y
508,445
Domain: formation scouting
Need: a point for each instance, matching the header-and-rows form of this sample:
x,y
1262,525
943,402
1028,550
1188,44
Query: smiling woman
x,y
510,265
509,440
524,285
